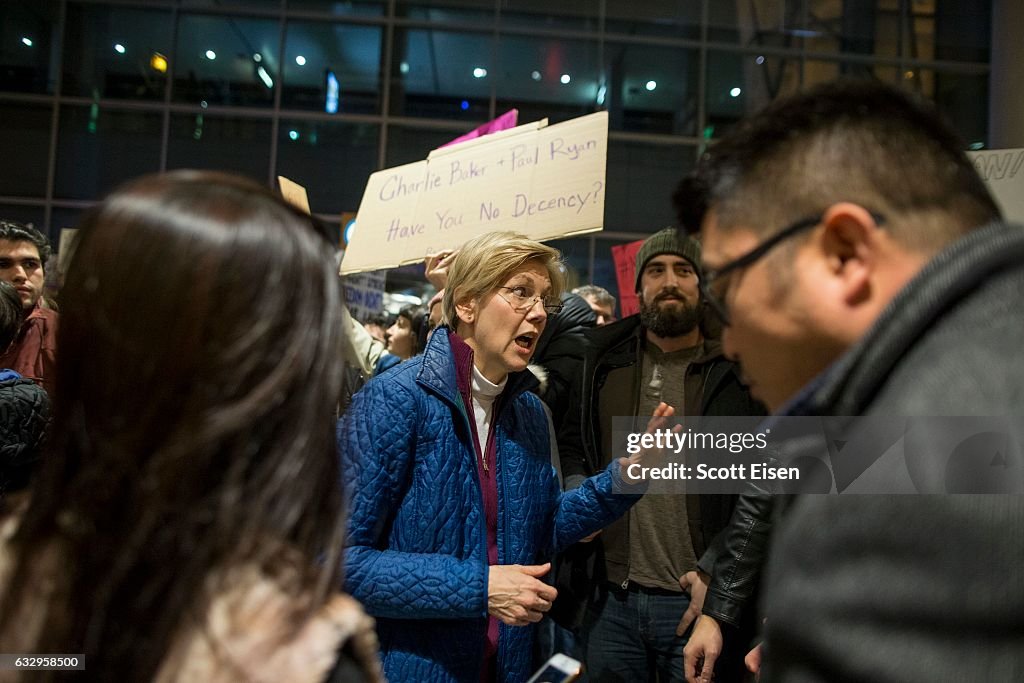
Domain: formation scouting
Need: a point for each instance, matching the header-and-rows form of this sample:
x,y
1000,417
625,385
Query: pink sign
x,y
624,256
503,122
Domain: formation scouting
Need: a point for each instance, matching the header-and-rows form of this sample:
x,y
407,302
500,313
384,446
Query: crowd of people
x,y
212,472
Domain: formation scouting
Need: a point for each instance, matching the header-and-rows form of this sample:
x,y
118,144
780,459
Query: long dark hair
x,y
198,370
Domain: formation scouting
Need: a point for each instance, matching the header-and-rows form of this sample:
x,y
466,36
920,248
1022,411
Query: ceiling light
x,y
158,62
293,134
565,79
257,58
760,59
264,76
735,92
479,72
535,75
27,41
601,92
333,88
404,67
464,105
119,48
300,60
211,55
651,85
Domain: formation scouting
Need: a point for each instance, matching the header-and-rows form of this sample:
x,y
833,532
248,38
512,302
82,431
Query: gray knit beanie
x,y
667,241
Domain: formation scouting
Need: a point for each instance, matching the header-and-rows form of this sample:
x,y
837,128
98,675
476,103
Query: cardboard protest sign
x,y
625,275
1003,172
541,181
364,294
294,194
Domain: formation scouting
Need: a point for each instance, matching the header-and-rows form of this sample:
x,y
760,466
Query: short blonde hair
x,y
485,262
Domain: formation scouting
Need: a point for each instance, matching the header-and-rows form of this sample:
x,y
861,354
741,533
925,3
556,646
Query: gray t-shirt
x,y
660,548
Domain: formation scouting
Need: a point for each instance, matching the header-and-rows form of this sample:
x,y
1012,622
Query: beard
x,y
671,321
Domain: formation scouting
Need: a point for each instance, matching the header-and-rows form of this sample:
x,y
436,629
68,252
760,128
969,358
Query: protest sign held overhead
x,y
624,256
542,181
294,193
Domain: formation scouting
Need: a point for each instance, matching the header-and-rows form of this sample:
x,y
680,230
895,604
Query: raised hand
x,y
436,267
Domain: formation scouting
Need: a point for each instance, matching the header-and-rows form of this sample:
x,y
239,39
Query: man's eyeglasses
x,y
522,299
716,298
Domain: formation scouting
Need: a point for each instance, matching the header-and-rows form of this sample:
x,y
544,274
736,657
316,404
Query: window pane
x,y
331,159
604,265
248,4
25,144
406,145
756,22
351,53
29,215
547,77
226,60
220,143
852,27
63,218
652,89
962,30
28,43
739,84
109,52
581,15
963,100
576,256
671,18
340,8
641,180
475,11
98,149
441,74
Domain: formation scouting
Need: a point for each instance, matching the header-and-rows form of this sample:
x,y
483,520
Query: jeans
x,y
631,636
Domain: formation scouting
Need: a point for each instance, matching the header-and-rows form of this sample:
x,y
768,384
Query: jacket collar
x,y
629,335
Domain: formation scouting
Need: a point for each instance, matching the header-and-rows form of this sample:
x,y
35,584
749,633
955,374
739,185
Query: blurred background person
x,y
600,301
24,252
187,524
377,325
405,338
24,410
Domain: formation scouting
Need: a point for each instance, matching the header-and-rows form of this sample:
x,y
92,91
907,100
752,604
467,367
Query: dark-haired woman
x,y
406,337
186,525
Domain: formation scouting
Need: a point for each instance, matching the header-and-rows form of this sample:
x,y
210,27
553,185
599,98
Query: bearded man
x,y
646,587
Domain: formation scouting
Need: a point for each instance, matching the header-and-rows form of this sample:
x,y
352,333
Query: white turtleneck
x,y
484,394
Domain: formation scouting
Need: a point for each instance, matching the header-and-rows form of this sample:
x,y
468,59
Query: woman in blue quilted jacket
x,y
454,502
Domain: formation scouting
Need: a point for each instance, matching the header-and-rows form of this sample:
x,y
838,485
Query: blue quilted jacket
x,y
416,549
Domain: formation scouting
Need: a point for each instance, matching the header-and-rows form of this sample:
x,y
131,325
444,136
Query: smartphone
x,y
559,669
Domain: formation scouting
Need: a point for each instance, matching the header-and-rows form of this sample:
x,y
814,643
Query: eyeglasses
x,y
716,299
522,299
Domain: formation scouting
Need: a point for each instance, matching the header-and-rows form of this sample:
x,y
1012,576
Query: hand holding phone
x,y
559,669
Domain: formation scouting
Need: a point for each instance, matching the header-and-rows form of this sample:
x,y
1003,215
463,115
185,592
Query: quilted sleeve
x,y
598,502
376,440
